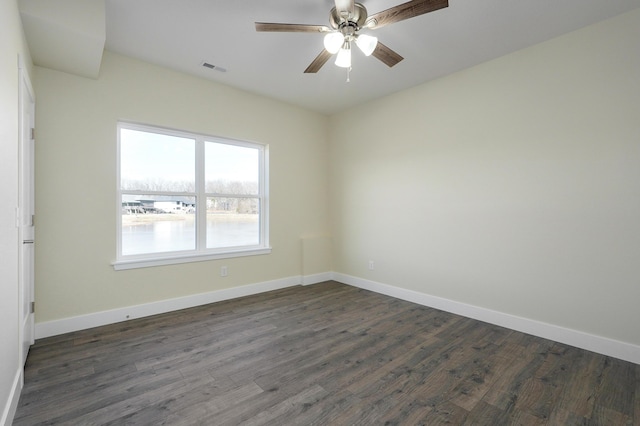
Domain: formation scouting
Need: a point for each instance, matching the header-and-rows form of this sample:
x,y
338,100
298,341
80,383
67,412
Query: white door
x,y
26,203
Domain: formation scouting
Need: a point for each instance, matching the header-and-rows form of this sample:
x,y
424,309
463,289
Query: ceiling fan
x,y
346,20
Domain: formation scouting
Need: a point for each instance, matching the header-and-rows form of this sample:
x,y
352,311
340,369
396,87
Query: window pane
x,y
155,162
231,169
156,224
233,222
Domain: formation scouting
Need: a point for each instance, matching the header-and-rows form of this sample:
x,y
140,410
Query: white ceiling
x,y
181,34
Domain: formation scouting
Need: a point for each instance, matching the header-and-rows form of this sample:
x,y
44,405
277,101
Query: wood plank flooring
x,y
326,354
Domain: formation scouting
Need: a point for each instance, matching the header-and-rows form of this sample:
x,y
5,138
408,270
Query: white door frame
x,y
25,218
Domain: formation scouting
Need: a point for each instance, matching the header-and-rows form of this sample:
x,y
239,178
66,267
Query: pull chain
x,y
348,72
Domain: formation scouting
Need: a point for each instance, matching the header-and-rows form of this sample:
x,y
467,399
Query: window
x,y
185,197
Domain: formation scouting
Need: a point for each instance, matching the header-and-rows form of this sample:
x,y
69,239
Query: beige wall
x,y
76,186
512,186
12,44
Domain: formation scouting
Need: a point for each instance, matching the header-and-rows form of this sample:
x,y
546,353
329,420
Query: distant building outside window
x,y
187,197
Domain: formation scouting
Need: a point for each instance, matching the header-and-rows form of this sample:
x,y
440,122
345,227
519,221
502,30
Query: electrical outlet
x,y
371,265
224,271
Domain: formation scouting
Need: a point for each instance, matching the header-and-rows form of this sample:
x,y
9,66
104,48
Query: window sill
x,y
172,260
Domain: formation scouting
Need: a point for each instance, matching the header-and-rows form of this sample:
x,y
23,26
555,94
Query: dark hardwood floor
x,y
326,354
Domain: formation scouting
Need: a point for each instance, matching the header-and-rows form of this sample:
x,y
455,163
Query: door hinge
x,y
33,220
32,307
33,133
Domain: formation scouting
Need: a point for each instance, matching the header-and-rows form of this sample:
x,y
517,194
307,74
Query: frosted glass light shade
x,y
333,42
344,58
367,43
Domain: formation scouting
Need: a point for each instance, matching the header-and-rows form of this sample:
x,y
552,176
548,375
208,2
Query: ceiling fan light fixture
x,y
344,56
333,42
367,43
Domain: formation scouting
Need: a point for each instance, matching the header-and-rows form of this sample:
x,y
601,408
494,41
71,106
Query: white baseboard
x,y
11,405
601,345
317,278
590,342
81,322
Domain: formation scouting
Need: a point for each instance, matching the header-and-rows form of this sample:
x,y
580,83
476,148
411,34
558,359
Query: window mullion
x,y
264,197
201,199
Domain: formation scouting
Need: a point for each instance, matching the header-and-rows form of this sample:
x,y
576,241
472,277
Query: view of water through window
x,y
158,233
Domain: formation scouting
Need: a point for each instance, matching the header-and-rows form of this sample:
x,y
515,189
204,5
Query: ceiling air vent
x,y
213,67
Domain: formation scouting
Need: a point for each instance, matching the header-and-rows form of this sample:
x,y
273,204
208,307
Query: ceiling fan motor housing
x,y
356,19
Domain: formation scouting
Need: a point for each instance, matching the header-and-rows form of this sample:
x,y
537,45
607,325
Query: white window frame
x,y
201,252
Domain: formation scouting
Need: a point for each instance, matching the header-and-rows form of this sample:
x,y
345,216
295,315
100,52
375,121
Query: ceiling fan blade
x,y
318,62
386,55
290,28
404,11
